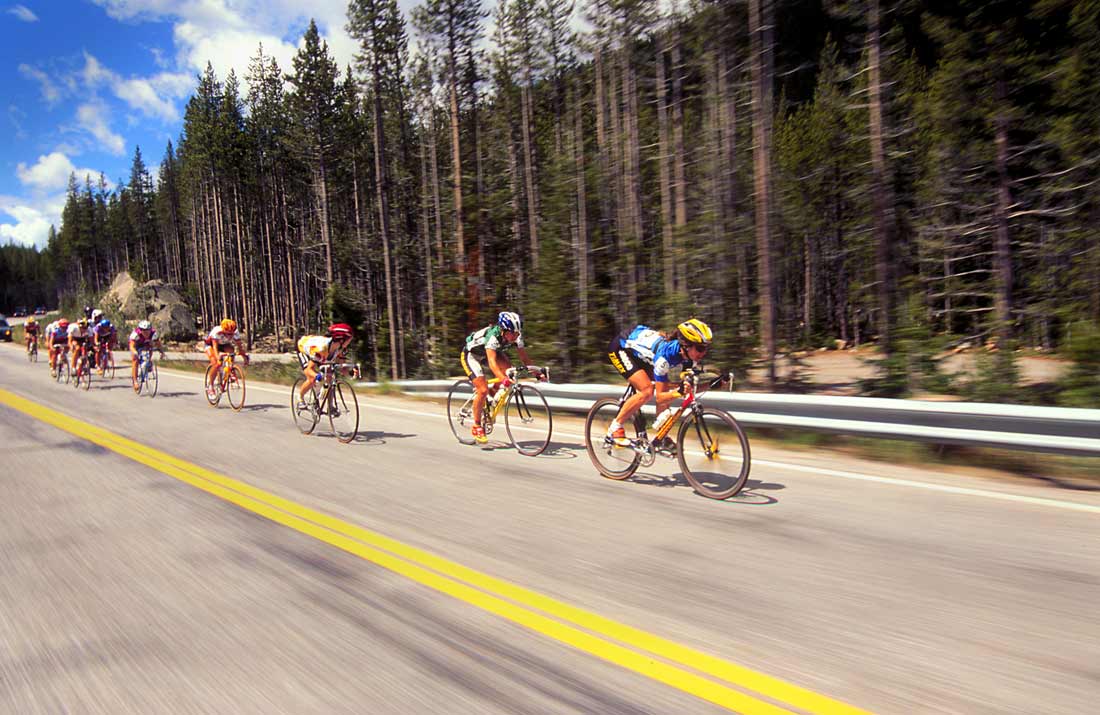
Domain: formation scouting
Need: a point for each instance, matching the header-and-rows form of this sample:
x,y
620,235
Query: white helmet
x,y
510,321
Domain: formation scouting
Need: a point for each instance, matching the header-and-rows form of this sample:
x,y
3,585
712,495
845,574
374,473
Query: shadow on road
x,y
751,493
262,407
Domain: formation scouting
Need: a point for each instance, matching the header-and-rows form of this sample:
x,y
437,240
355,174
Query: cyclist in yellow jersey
x,y
314,350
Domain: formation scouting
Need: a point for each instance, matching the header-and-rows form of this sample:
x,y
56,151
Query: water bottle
x,y
662,419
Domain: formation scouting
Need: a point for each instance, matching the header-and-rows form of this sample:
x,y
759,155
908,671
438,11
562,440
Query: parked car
x,y
5,331
20,311
40,310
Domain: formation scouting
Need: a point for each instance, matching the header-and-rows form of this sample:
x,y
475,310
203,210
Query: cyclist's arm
x,y
492,355
523,355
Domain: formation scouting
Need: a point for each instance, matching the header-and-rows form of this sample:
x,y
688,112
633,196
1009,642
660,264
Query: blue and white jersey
x,y
653,348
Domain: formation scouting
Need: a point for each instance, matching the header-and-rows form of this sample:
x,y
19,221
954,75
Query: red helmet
x,y
339,330
63,323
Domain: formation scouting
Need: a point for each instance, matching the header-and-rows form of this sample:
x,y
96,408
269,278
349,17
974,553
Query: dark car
x,y
40,310
5,331
20,311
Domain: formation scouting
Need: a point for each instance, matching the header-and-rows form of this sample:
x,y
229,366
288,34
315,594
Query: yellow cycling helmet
x,y
32,321
229,325
695,331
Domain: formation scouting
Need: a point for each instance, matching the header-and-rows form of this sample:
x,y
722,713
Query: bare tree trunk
x,y
514,192
761,24
1003,261
381,187
321,187
582,212
882,198
668,252
246,312
425,240
456,161
529,172
679,176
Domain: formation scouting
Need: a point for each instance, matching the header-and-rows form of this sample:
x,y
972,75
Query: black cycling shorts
x,y
625,360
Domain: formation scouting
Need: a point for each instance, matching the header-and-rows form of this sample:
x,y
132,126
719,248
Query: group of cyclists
x,y
643,356
91,335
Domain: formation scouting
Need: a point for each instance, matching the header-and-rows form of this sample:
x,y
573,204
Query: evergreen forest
x,y
905,173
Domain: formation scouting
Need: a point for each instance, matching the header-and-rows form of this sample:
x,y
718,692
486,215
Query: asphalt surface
x,y
892,589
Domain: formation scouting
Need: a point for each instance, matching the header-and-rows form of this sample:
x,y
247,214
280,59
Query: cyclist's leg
x,y
310,371
133,365
212,355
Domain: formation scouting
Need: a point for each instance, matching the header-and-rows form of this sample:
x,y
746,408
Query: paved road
x,y
123,588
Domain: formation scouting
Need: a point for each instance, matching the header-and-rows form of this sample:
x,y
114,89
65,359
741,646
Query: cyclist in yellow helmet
x,y
645,358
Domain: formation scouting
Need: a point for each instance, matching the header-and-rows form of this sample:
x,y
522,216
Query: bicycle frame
x,y
328,373
500,401
690,403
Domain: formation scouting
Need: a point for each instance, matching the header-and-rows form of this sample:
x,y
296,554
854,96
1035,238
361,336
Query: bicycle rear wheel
x,y
528,420
305,420
612,461
152,380
714,453
343,411
236,388
460,410
212,385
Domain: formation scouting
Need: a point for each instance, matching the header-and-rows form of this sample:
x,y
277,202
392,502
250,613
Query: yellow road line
x,y
463,583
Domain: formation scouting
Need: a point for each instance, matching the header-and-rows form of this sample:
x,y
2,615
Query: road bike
x,y
711,446
105,361
60,370
527,416
32,351
146,380
332,395
225,378
82,375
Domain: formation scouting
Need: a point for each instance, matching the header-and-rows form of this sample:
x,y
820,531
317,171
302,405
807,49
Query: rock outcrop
x,y
155,301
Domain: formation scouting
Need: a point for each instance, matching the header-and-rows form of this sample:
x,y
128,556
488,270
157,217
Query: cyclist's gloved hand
x,y
247,360
505,383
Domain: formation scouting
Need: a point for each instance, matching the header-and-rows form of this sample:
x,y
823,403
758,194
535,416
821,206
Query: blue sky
x,y
84,82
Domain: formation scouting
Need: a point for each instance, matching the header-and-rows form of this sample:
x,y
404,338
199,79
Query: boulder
x,y
127,293
153,300
174,322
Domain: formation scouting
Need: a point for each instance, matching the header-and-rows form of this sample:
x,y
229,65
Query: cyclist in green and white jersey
x,y
486,347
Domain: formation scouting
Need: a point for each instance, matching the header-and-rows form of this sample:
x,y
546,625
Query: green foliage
x,y
996,377
1081,385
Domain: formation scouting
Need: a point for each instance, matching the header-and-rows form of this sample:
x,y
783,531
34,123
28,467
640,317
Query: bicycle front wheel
x,y
305,419
32,354
151,379
109,366
236,388
86,372
460,410
63,372
612,461
213,385
343,411
528,420
714,453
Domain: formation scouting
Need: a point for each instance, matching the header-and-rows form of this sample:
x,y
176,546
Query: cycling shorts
x,y
471,365
625,360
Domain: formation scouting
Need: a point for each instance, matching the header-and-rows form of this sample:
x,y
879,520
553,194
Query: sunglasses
x,y
701,349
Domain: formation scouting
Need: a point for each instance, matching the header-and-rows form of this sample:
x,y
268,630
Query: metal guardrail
x,y
1058,430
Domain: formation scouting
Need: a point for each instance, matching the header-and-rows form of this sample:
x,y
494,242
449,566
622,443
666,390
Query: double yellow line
x,y
657,658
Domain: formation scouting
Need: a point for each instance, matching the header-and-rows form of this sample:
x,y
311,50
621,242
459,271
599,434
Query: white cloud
x,y
152,96
23,13
93,118
226,33
50,91
32,219
51,172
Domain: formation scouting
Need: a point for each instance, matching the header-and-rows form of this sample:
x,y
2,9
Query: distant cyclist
x,y
104,337
30,332
224,338
79,337
646,357
315,350
57,337
487,346
144,337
